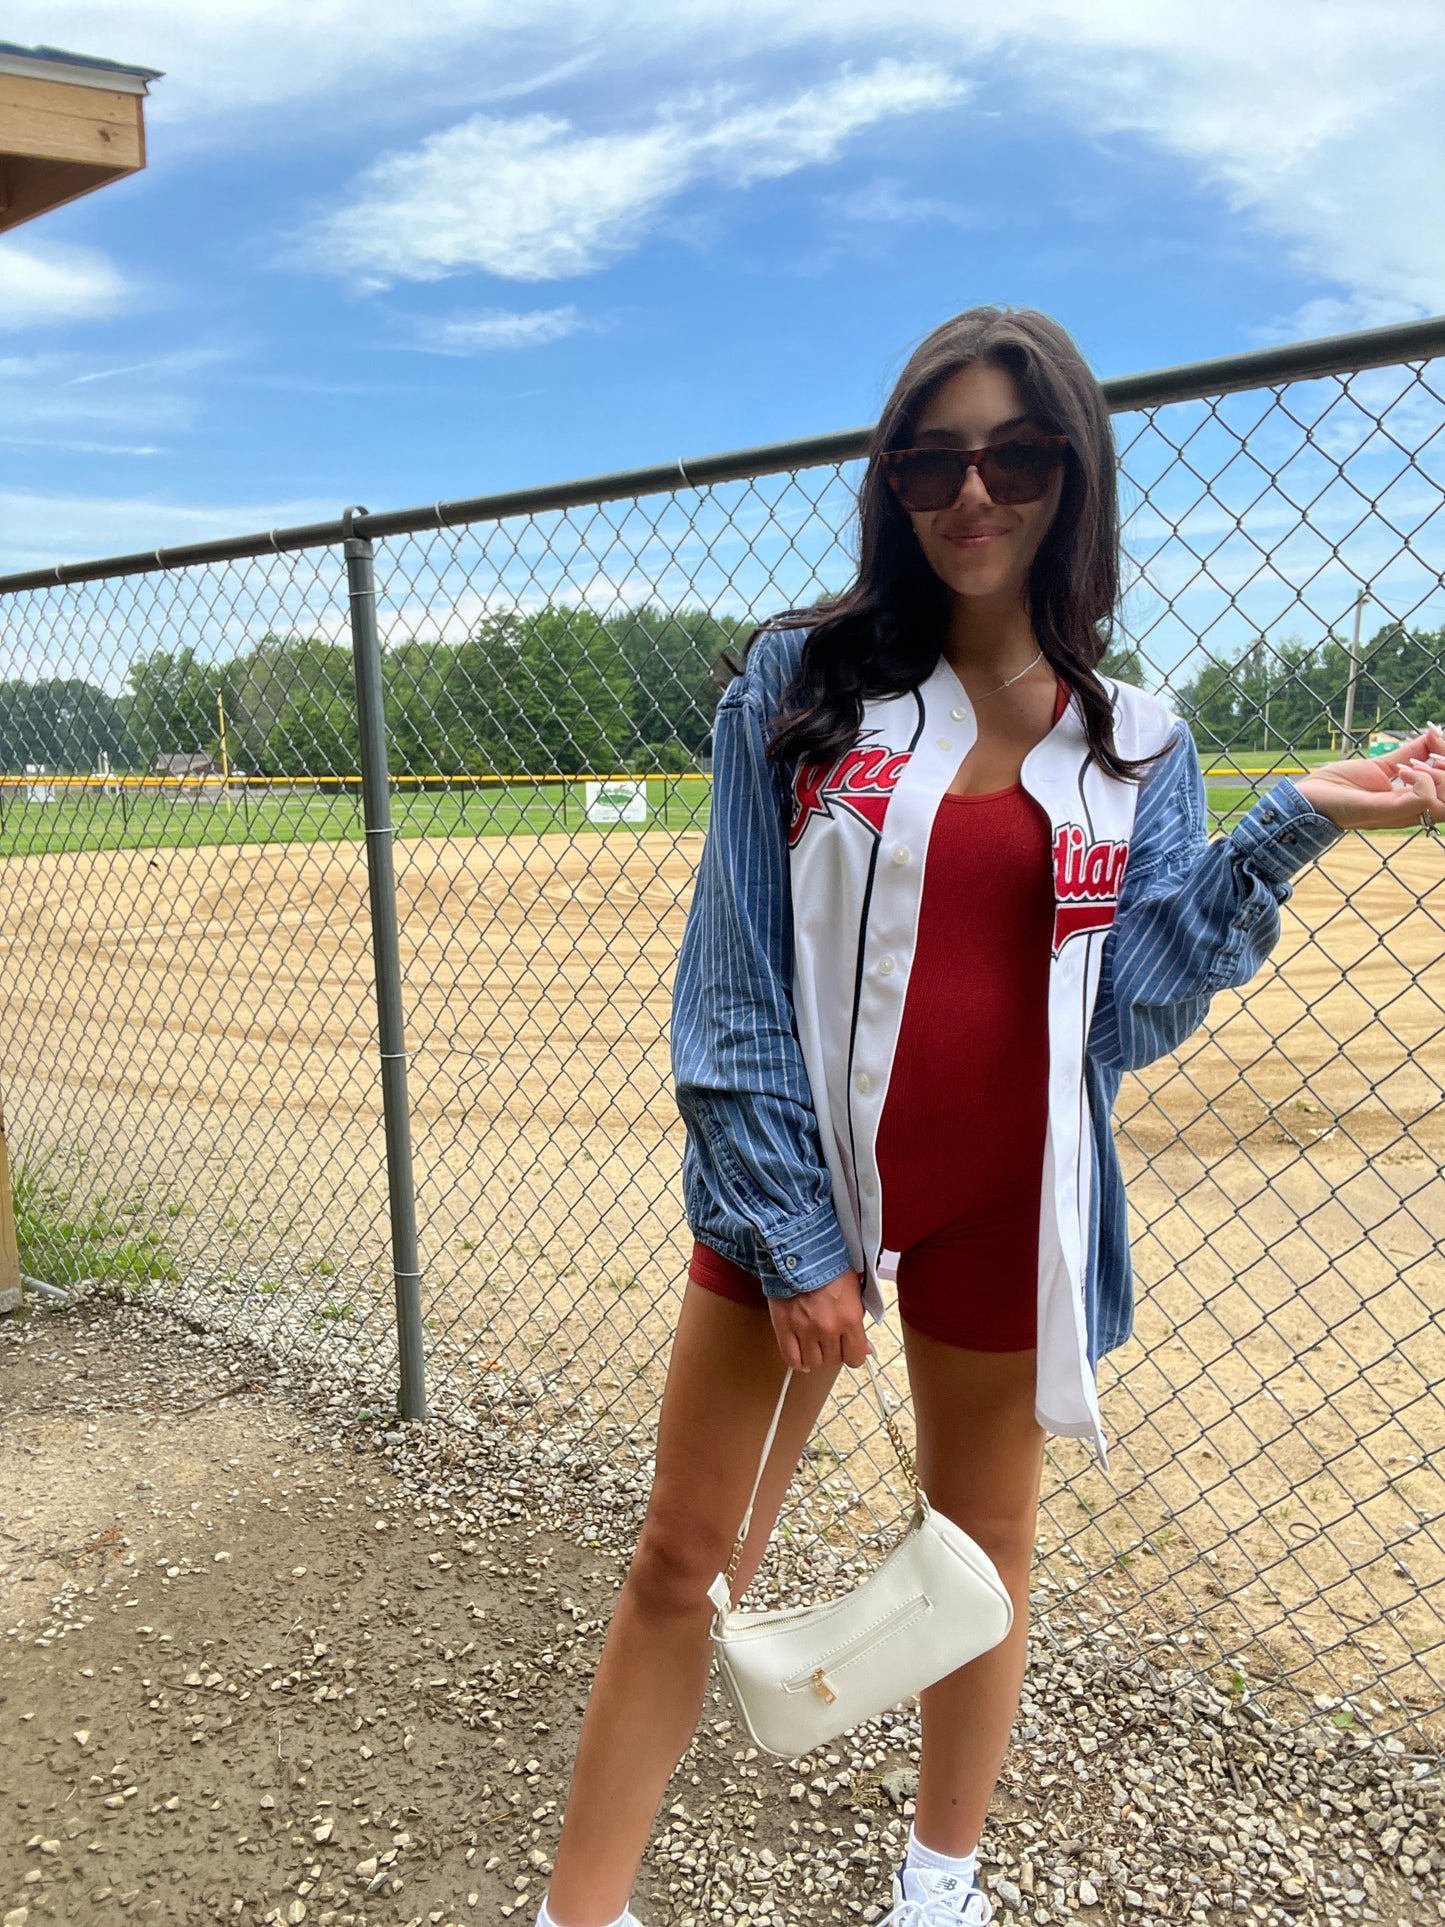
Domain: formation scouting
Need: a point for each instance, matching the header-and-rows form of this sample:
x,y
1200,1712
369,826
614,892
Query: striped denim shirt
x,y
1194,917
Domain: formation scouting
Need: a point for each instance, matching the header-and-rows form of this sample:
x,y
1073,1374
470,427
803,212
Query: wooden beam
x,y
34,187
59,140
10,1293
41,121
52,97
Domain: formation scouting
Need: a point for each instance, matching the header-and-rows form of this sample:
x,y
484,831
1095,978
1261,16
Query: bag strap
x,y
906,1462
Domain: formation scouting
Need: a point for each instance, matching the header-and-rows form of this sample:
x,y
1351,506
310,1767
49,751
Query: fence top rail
x,y
1192,381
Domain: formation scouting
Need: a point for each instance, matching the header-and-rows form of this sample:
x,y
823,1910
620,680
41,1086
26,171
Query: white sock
x,y
544,1919
923,1859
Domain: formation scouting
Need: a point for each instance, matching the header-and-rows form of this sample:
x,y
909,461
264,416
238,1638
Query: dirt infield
x,y
189,1033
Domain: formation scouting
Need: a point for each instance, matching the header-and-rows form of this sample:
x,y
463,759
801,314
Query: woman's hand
x,y
1360,794
823,1327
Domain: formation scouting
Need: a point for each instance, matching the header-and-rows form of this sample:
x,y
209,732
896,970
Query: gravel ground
x,y
264,1658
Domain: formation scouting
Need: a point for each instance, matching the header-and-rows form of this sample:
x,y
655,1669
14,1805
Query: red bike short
x,y
975,1286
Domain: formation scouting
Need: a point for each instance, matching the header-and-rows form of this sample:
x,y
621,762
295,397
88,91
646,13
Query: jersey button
x,y
901,855
958,714
885,966
945,742
863,1083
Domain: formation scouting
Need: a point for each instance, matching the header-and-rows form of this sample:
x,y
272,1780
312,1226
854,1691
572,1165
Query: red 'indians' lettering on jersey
x,y
860,782
1087,879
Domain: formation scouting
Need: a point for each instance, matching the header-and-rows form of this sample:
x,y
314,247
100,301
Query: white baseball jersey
x,y
857,849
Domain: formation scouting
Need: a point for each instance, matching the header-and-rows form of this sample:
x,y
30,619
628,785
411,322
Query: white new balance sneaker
x,y
924,1898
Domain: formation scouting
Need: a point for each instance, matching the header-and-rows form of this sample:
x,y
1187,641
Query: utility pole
x,y
1347,735
225,758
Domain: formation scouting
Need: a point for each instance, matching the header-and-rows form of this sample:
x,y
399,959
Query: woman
x,y
954,885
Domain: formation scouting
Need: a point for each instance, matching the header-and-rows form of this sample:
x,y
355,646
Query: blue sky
x,y
391,255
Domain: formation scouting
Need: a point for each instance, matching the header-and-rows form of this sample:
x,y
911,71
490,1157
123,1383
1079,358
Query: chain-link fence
x,y
195,892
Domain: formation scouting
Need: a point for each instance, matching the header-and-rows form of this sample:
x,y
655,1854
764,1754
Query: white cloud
x,y
39,529
763,142
1335,315
524,199
62,399
115,374
493,328
885,203
43,283
1326,135
81,448
1320,122
530,199
260,53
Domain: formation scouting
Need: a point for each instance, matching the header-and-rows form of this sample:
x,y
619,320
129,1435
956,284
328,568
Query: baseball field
x,y
189,1051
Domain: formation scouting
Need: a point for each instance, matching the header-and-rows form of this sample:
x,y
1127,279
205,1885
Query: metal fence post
x,y
386,952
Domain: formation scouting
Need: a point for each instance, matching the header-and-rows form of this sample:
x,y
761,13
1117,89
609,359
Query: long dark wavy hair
x,y
885,634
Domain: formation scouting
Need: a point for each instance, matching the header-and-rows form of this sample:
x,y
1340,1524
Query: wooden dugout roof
x,y
68,125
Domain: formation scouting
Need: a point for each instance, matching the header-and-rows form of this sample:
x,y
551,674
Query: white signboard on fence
x,y
616,802
38,792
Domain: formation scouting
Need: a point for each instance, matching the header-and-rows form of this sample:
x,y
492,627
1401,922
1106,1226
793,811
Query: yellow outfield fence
x,y
1213,772
235,781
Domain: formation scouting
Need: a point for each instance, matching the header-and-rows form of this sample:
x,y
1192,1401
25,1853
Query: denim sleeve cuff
x,y
1282,833
807,1255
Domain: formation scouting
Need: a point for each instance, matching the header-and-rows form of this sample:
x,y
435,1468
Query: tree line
x,y
561,691
1292,694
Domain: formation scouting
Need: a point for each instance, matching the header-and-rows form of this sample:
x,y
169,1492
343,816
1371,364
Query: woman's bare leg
x,y
980,1460
722,1383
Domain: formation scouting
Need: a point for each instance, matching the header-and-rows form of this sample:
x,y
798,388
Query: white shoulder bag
x,y
802,1675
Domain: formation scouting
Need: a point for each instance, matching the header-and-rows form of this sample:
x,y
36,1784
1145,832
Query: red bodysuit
x,y
961,1140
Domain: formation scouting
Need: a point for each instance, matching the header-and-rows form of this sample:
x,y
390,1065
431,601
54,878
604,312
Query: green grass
x,y
1226,806
84,819
63,1239
89,820
1261,762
